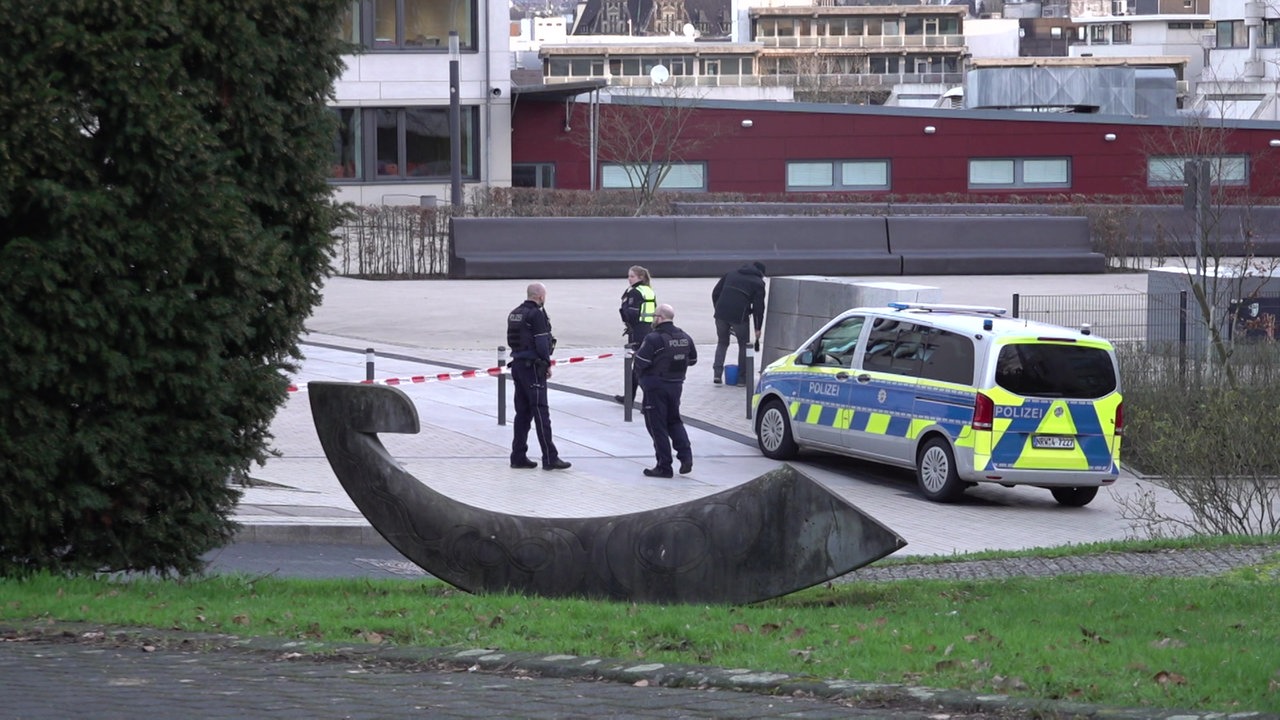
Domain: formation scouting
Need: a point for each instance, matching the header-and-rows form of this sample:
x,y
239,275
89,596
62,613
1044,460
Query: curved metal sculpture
x,y
779,533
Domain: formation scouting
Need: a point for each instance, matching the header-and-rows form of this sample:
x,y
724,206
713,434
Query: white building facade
x,y
393,101
1242,79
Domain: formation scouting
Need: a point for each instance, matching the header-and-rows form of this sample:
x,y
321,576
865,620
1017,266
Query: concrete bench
x,y
993,245
668,246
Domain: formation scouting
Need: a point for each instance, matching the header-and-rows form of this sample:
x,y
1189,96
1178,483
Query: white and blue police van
x,y
961,394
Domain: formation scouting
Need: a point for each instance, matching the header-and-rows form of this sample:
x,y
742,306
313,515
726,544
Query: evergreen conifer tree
x,y
165,225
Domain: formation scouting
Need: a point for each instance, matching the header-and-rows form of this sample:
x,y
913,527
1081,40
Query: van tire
x,y
936,472
773,432
1074,496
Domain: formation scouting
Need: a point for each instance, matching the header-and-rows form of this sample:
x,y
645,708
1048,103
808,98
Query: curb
x,y
301,533
866,695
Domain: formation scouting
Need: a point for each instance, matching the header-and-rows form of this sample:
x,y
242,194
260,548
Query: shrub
x,y
1212,442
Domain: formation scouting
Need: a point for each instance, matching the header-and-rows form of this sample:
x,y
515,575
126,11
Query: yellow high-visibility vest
x,y
650,305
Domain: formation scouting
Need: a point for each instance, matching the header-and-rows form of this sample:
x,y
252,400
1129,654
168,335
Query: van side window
x,y
893,346
837,345
948,357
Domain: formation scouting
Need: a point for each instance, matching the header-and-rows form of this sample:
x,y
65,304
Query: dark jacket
x,y
529,333
665,355
739,295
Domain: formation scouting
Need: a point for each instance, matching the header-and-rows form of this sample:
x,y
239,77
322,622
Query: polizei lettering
x,y
1019,412
828,389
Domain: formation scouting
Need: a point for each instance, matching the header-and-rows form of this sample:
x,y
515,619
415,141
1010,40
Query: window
x,y
894,346
533,175
417,25
1055,371
1224,170
1270,32
806,175
815,175
675,176
886,65
837,345
402,144
947,357
349,26
1232,34
346,146
987,173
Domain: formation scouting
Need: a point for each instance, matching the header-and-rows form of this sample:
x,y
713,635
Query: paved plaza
x,y
429,328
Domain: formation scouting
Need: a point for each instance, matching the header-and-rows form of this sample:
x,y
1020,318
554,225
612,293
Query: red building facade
x,y
764,148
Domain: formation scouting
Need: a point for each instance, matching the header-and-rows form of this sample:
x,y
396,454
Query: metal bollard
x,y
628,393
368,365
502,385
748,373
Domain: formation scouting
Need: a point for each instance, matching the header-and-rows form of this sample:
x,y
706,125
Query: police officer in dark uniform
x,y
529,337
661,363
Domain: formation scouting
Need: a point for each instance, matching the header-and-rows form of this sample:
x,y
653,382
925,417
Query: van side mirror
x,y
805,358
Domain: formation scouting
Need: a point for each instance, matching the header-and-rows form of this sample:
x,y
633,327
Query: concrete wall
x,y
798,306
688,246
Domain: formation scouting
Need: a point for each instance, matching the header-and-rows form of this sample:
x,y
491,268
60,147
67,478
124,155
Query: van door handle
x,y
842,375
864,378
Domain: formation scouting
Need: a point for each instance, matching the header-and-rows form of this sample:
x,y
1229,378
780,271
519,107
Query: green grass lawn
x,y
1197,644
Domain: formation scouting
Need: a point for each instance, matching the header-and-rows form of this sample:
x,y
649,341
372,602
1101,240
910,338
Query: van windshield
x,y
1055,370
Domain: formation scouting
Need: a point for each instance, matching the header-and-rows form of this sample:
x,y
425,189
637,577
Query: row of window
x,y
417,25
388,144
984,174
641,66
1235,34
684,65
1035,173
844,27
899,347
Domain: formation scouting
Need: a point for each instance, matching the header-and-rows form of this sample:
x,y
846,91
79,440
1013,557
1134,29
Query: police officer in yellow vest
x,y
638,307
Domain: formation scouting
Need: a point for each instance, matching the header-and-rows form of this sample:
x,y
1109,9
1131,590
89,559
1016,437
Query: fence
x,y
1155,320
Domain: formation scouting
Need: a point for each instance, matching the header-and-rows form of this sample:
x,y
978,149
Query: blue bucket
x,y
731,374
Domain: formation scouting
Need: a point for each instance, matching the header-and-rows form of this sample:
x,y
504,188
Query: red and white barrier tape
x,y
465,374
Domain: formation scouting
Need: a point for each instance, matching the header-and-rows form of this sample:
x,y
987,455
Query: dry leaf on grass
x,y
1164,677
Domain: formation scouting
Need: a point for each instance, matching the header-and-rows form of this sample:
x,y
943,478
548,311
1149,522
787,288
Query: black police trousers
x,y
662,420
531,409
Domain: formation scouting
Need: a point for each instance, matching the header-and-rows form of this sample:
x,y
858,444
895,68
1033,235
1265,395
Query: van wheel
x,y
773,432
1074,496
936,472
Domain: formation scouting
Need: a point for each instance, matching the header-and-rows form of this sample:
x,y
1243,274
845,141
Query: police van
x,y
962,394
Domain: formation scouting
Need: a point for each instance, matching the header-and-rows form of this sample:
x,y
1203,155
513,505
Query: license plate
x,y
1053,442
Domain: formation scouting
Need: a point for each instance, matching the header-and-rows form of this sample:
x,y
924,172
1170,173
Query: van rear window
x,y
1053,370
